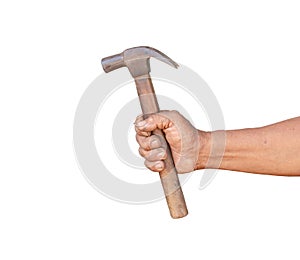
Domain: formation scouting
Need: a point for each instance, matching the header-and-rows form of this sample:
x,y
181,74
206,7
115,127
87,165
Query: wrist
x,y
204,140
212,149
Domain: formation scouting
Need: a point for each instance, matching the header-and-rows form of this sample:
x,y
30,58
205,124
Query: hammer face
x,y
112,62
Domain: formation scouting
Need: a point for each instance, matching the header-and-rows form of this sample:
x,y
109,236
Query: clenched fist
x,y
183,138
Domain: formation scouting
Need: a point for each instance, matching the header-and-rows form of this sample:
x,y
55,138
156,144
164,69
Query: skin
x,y
272,149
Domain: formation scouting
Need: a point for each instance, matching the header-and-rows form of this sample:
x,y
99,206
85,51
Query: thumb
x,y
154,121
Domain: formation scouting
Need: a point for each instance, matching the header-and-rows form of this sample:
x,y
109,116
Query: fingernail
x,y
158,166
154,143
141,123
161,154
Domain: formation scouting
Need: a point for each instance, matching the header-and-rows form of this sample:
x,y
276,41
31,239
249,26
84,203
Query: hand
x,y
183,139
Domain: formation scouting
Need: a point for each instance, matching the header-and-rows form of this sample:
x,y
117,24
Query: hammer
x,y
137,61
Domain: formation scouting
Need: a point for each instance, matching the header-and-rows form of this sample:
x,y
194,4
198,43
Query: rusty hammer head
x,y
136,60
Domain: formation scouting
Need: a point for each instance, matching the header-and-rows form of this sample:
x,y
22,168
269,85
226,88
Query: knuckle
x,y
137,130
142,152
148,165
137,138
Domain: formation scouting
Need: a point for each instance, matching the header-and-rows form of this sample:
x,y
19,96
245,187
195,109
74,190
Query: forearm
x,y
273,149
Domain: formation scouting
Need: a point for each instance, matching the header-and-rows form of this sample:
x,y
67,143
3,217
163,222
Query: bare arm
x,y
273,149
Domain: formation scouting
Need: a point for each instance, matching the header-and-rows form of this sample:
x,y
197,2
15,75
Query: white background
x,y
247,51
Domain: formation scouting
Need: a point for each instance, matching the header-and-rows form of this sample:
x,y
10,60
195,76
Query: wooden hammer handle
x,y
168,176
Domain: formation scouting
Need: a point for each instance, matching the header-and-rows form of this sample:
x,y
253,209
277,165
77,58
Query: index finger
x,y
138,130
